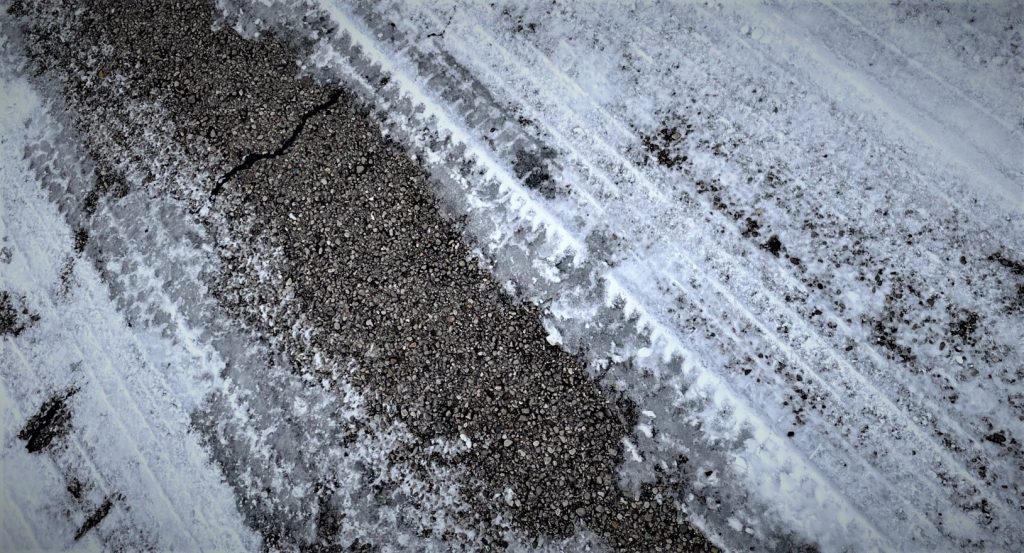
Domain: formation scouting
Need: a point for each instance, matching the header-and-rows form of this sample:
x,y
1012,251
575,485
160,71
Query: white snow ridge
x,y
791,233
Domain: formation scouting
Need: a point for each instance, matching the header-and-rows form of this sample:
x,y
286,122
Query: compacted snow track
x,y
791,234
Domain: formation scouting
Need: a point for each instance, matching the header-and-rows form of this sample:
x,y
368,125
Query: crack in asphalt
x,y
250,159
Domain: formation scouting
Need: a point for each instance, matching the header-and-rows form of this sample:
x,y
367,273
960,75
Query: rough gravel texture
x,y
368,262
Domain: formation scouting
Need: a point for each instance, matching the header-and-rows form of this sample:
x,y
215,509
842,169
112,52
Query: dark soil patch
x,y
14,321
50,423
95,518
773,245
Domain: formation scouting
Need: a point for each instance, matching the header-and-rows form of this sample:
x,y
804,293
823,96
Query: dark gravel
x,y
366,260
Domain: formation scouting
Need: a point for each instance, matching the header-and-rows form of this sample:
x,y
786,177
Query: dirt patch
x,y
95,518
773,245
531,166
15,318
50,423
664,146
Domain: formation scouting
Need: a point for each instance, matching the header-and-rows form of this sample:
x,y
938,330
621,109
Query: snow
x,y
944,123
777,227
130,439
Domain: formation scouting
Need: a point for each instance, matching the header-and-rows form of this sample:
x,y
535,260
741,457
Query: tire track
x,y
70,299
368,48
863,381
918,65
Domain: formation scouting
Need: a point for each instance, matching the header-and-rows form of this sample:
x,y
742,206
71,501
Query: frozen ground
x,y
790,233
250,404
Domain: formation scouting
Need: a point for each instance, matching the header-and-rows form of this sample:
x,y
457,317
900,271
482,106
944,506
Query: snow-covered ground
x,y
791,232
112,399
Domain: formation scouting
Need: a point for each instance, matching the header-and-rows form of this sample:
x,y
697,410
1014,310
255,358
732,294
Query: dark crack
x,y
253,157
440,34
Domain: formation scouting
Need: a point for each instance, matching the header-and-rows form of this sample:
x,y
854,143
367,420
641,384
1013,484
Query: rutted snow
x,y
788,232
